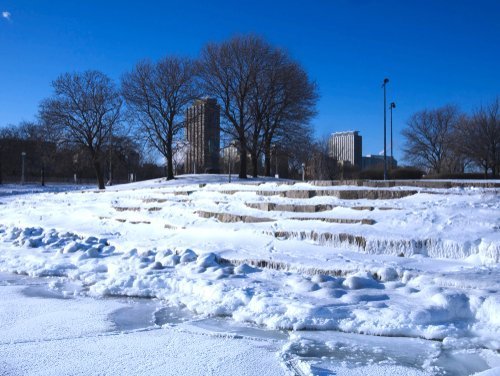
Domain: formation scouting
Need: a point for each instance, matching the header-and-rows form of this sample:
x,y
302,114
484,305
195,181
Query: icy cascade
x,y
488,252
396,303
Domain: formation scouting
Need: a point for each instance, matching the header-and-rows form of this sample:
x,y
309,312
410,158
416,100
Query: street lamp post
x,y
110,159
229,151
23,156
275,150
386,80
229,155
391,106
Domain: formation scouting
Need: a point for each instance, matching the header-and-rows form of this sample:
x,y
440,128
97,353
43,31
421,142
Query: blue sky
x,y
433,52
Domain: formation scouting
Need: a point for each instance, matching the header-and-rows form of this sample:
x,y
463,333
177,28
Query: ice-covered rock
x,y
162,254
91,240
245,269
207,260
171,260
71,247
157,266
361,280
386,274
188,255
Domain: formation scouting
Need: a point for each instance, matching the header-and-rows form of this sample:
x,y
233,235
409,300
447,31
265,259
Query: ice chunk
x,y
387,274
188,256
361,280
245,269
207,260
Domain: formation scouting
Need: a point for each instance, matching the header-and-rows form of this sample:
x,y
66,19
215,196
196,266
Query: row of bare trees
x,y
266,99
52,158
84,110
446,140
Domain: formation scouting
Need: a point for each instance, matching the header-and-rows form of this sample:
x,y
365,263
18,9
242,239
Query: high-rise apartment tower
x,y
346,147
203,137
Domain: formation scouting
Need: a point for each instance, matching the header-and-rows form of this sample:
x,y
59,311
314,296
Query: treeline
x,y
46,159
445,141
266,99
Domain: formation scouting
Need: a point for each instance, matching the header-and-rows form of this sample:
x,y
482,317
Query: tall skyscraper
x,y
203,137
346,147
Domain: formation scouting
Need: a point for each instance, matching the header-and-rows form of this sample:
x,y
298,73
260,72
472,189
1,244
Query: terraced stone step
x,y
434,248
231,218
283,266
363,221
155,200
348,194
269,206
223,191
180,193
338,239
136,208
126,208
123,220
443,184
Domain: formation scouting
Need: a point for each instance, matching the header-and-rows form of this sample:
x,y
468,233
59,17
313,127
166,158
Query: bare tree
x,y
34,132
84,109
478,138
228,72
321,165
157,95
291,99
429,138
263,94
8,134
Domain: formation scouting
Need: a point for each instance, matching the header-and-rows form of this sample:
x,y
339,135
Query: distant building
x,y
203,137
374,162
230,157
346,147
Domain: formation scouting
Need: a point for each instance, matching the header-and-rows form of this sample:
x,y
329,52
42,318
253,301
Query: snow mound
x,y
359,302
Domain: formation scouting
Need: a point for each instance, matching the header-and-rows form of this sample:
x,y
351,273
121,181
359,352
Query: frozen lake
x,y
48,326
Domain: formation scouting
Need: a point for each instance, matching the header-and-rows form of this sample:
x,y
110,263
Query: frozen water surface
x,y
298,352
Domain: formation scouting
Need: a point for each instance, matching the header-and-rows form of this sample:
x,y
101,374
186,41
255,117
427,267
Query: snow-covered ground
x,y
49,333
424,266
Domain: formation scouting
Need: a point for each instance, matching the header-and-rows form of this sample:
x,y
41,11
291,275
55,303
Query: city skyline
x,y
433,53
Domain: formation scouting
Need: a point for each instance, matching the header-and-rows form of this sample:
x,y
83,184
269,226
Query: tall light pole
x,y
391,106
23,156
230,152
110,159
386,80
275,150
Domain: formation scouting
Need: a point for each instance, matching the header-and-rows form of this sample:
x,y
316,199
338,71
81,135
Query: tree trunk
x,y
43,175
255,165
99,174
170,167
267,160
243,156
170,170
243,164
